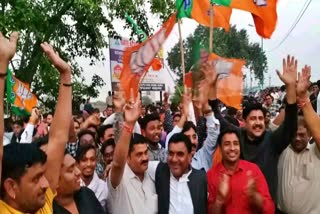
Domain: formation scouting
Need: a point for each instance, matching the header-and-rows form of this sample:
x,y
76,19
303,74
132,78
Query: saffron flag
x,y
137,59
264,13
199,10
230,79
19,95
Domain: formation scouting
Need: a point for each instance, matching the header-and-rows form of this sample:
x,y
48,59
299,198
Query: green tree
x,y
73,27
232,44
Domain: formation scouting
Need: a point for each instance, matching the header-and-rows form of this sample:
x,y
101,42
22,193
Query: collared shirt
x,y
100,189
133,196
46,209
203,157
180,197
299,180
237,200
158,154
273,109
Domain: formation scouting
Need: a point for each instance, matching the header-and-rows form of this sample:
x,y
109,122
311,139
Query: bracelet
x,y
303,101
127,128
3,75
67,84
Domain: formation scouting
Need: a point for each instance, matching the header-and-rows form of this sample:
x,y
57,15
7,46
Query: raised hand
x,y
132,111
118,100
8,47
93,120
303,81
210,73
223,188
289,74
54,57
186,100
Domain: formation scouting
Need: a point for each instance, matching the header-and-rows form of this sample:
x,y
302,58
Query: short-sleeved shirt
x,y
299,180
133,196
46,209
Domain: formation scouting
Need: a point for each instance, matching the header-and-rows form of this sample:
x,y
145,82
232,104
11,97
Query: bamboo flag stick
x,y
211,28
182,51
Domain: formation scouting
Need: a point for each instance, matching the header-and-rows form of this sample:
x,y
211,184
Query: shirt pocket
x,y
308,171
153,204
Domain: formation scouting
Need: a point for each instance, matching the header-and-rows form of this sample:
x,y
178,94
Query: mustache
x,y
143,162
258,126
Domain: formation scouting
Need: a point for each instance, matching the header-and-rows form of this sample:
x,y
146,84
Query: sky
x,y
303,42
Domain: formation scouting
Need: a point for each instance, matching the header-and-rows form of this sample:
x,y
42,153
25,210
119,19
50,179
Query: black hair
x,y
18,122
17,158
251,107
26,118
76,121
102,129
269,96
135,140
179,137
109,142
148,118
231,111
225,131
82,151
84,132
187,126
41,141
176,115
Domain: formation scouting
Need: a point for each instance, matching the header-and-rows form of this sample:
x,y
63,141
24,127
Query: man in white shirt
x,y
299,163
180,188
86,161
131,189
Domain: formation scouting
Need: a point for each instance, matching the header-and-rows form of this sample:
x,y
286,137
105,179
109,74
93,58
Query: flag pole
x,y
211,27
182,51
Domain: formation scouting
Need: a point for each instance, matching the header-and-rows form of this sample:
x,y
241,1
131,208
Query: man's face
x,y
108,154
153,131
88,163
268,100
49,119
255,124
179,159
138,159
192,135
108,134
268,117
109,111
301,140
30,193
76,127
230,148
16,129
86,139
143,111
69,180
176,120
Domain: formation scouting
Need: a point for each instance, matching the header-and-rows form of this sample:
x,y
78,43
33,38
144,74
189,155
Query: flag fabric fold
x,y
138,59
199,10
19,95
264,13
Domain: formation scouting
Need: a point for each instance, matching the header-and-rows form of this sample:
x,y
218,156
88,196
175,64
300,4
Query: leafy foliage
x,y
234,44
73,27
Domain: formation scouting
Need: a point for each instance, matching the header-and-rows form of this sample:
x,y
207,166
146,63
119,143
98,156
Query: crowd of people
x,y
135,159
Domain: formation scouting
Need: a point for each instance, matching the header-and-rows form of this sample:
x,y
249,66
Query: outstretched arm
x,y
7,50
131,115
59,131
